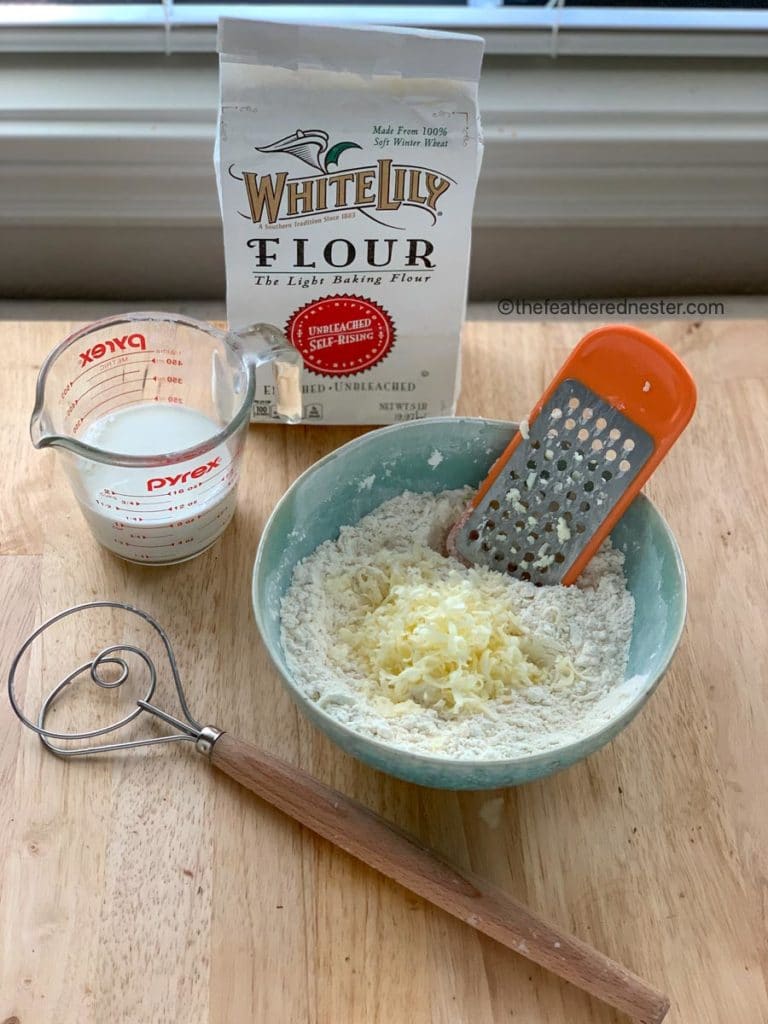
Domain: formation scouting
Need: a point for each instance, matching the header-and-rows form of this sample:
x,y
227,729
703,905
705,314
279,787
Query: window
x,y
551,27
625,145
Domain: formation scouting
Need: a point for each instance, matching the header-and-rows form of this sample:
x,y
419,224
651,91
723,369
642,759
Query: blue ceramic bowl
x,y
338,490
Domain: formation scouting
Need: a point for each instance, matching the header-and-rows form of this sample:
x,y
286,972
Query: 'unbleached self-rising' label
x,y
347,161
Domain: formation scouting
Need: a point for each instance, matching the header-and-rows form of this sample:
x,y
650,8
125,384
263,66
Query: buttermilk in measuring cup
x,y
149,412
160,514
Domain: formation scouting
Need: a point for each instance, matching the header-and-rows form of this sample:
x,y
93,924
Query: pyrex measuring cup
x,y
149,411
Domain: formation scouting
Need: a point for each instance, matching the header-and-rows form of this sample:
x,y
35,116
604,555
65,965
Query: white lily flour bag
x,y
347,161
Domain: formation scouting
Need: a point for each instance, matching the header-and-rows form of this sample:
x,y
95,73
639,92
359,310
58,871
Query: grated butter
x,y
452,643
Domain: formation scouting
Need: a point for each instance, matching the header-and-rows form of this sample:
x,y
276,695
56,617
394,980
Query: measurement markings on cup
x,y
134,539
164,495
100,368
118,405
120,377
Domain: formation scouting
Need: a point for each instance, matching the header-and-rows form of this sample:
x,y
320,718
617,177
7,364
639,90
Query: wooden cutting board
x,y
144,889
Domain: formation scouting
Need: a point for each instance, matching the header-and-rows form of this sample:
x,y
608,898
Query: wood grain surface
x,y
361,832
145,888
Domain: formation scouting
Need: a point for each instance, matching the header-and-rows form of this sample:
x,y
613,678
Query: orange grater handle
x,y
642,378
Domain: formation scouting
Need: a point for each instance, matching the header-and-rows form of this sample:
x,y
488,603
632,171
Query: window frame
x,y
552,30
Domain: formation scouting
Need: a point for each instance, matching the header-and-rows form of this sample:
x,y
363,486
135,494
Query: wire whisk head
x,y
97,670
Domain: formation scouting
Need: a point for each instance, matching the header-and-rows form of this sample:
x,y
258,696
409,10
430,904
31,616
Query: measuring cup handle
x,y
375,841
265,343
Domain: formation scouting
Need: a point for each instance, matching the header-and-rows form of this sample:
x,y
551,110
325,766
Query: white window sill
x,y
128,139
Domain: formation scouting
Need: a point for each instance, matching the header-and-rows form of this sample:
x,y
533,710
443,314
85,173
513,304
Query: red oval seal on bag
x,y
341,334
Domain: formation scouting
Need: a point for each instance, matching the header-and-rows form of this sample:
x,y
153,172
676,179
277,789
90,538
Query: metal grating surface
x,y
557,489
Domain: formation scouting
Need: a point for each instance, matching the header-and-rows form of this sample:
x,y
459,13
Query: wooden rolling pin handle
x,y
402,858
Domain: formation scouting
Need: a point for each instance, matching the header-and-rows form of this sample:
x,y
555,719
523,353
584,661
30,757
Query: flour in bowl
x,y
416,650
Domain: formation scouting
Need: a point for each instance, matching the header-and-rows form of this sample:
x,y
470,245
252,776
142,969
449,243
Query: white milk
x,y
163,513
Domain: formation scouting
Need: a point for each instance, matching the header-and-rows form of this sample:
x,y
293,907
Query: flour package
x,y
347,161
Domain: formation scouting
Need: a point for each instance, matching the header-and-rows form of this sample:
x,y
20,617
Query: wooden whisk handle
x,y
402,858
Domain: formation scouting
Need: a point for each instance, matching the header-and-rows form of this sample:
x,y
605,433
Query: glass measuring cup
x,y
149,412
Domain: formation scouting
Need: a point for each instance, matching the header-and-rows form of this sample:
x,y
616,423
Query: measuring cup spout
x,y
265,343
41,438
43,422
45,438
41,429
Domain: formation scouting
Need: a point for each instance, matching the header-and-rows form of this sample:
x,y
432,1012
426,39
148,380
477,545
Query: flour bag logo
x,y
383,186
311,148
